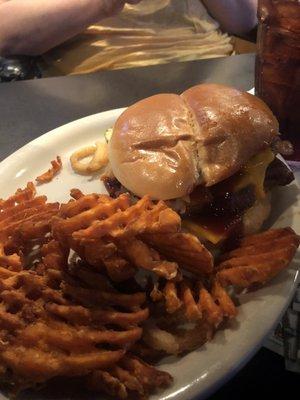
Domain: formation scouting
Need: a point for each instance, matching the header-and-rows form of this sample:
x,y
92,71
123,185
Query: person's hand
x,y
55,20
112,7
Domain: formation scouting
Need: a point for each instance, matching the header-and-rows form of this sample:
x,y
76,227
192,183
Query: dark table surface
x,y
31,108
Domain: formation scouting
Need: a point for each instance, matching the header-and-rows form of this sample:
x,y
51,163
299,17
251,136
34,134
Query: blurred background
x,y
64,38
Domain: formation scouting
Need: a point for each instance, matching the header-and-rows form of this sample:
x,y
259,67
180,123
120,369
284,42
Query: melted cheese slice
x,y
202,232
254,172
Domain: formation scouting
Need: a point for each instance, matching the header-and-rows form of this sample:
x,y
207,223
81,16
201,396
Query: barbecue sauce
x,y
215,229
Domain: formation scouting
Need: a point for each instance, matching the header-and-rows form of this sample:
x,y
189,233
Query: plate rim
x,y
55,132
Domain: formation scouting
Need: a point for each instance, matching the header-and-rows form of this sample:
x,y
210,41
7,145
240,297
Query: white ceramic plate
x,y
201,372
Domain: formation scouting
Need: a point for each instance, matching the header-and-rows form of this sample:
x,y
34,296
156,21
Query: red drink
x,y
277,79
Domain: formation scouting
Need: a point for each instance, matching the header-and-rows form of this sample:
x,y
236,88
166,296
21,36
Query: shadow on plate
x,y
61,389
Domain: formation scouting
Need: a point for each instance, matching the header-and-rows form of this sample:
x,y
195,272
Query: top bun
x,y
234,126
167,144
152,149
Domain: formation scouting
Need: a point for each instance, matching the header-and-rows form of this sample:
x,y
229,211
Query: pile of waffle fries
x,y
75,303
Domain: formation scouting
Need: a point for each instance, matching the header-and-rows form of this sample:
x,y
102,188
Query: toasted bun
x,y
152,148
167,144
234,126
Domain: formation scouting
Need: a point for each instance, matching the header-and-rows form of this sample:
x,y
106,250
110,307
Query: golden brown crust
x,y
234,126
152,148
48,176
259,258
78,314
167,144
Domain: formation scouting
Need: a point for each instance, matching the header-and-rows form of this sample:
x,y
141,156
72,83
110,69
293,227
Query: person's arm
x,y
32,27
235,16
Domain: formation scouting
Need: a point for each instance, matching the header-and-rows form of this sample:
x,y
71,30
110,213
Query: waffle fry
x,y
141,217
47,177
87,211
173,303
32,222
167,332
223,300
160,219
192,304
81,315
85,315
54,256
259,258
25,215
12,261
133,377
185,249
100,254
115,221
105,256
210,310
56,331
58,315
179,296
142,256
193,312
82,212
115,225
24,219
90,296
146,353
76,194
19,197
30,217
